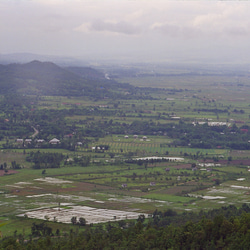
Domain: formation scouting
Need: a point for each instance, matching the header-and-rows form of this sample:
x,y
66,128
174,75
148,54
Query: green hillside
x,y
46,78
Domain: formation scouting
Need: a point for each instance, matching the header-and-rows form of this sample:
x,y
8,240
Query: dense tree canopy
x,y
225,228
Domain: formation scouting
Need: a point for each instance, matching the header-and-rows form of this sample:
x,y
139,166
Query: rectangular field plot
x,y
90,214
152,147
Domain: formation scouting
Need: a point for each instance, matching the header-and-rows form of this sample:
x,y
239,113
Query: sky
x,y
135,30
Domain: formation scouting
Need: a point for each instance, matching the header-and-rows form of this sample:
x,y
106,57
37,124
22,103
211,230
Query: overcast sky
x,y
134,29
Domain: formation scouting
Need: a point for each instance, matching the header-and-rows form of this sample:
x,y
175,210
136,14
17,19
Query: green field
x,y
110,181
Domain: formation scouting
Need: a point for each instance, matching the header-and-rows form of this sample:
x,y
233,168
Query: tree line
x,y
45,160
224,228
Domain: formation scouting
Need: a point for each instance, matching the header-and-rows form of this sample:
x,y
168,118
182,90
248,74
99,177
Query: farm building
x,y
68,136
28,141
54,141
40,141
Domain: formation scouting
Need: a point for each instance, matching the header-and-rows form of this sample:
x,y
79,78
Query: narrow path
x,y
36,132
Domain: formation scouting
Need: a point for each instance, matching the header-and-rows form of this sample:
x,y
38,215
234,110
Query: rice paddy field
x,y
152,145
114,189
140,189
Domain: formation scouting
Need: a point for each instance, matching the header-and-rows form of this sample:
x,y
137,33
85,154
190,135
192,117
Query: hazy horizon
x,y
130,30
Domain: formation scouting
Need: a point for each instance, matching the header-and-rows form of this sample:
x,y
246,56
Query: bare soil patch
x,y
176,190
2,172
226,162
236,162
51,180
26,191
183,166
84,187
42,188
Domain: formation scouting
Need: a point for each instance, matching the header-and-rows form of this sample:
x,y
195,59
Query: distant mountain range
x,y
28,57
46,78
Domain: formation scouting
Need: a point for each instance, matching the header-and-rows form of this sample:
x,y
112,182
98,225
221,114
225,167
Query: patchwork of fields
x,y
103,187
129,175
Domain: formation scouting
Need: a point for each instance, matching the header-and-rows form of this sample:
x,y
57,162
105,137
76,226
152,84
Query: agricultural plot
x,y
110,188
225,194
90,214
172,182
152,147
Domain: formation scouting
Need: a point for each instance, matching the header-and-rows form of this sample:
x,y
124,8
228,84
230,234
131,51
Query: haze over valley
x,y
124,124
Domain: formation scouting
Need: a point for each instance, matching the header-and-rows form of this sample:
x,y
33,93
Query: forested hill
x,y
87,73
46,78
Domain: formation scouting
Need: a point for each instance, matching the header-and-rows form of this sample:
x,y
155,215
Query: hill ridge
x,y
47,78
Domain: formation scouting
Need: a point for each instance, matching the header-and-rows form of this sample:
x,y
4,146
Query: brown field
x,y
182,166
75,188
2,172
226,162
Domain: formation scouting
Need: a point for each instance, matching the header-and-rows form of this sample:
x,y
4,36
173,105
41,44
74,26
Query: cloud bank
x,y
77,27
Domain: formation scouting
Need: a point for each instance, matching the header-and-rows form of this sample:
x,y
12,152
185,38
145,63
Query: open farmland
x,y
136,188
115,160
92,215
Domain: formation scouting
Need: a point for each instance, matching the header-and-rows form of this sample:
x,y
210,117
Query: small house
x,y
54,141
68,136
40,141
28,141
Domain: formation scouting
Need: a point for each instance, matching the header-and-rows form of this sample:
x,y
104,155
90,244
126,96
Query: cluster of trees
x,y
82,161
45,160
42,160
199,136
20,114
225,228
3,166
40,229
15,165
204,136
183,134
140,162
18,129
81,221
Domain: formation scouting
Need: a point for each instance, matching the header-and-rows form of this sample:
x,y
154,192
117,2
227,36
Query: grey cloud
x,y
238,31
174,30
144,28
182,31
121,27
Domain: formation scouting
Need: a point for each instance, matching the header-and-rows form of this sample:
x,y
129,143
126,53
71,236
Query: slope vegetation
x,y
46,78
